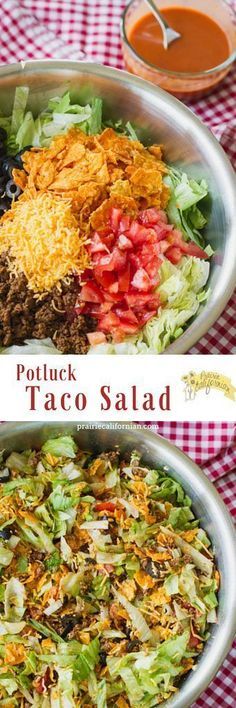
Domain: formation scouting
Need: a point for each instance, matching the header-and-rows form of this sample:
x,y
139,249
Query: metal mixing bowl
x,y
207,506
160,118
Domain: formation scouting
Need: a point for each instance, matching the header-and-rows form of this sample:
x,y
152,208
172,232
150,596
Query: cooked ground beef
x,y
22,316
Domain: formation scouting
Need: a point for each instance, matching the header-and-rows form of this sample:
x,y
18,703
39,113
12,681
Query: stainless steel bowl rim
x,y
215,654
226,282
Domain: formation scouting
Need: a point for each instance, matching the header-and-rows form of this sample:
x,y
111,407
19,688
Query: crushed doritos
x,y
90,169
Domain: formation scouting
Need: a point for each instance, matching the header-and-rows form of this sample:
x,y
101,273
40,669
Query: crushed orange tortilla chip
x,y
90,169
159,597
158,555
14,654
144,580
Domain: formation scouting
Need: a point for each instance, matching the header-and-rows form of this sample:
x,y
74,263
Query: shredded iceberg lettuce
x,y
149,674
63,446
14,599
185,194
24,129
32,346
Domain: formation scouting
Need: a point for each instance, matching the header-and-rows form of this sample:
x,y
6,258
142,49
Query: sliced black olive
x,y
5,533
103,658
152,569
2,185
4,206
4,475
3,135
68,622
133,645
18,157
8,164
128,632
12,190
84,548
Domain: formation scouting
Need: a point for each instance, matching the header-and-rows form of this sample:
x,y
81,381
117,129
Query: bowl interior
x,y
207,506
158,118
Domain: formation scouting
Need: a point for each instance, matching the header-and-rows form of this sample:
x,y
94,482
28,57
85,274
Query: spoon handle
x,y
158,14
162,22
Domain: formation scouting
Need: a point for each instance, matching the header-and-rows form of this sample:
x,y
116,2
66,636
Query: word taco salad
x,y
108,583
101,242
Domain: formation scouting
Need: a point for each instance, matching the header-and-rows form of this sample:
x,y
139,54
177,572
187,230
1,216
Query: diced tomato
x,y
138,234
162,231
91,309
141,280
114,288
124,279
96,338
174,254
118,336
104,263
119,259
127,315
175,238
193,641
140,300
115,217
109,568
127,327
124,243
124,223
106,307
135,260
164,245
105,506
147,316
194,250
152,269
105,279
42,683
115,261
152,216
91,293
97,245
109,322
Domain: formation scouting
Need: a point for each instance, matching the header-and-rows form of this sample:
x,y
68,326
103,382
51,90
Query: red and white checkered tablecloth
x,y
73,29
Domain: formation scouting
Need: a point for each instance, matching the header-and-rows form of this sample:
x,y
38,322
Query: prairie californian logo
x,y
207,380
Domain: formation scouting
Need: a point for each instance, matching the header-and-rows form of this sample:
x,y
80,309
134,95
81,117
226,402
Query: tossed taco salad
x,y
101,242
108,583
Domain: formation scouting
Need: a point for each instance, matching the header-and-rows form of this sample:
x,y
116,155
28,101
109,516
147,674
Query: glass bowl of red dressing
x,y
193,65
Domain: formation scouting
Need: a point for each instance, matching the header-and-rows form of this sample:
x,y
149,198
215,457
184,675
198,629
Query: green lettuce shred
x,y
64,446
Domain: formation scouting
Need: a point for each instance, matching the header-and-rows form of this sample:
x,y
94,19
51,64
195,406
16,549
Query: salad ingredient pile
x,y
90,202
108,582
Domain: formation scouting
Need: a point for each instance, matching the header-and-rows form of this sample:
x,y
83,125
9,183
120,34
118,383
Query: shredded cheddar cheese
x,y
42,238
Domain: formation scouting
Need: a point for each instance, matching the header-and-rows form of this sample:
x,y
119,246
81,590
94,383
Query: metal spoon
x,y
169,35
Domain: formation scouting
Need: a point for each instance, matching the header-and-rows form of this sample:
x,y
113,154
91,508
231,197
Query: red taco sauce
x,y
203,44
